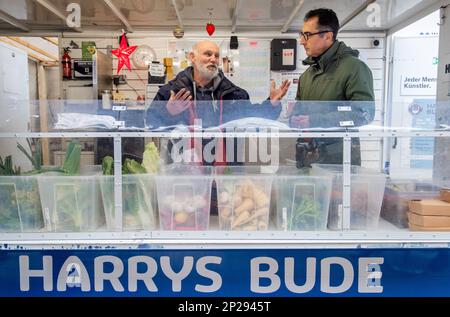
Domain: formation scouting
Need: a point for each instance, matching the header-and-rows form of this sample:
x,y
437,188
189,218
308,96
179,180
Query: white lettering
x,y
112,277
213,276
256,275
146,277
325,280
188,263
46,273
374,18
369,275
73,263
310,274
73,20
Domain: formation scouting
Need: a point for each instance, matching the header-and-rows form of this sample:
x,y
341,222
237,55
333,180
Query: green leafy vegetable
x,y
108,165
6,167
72,159
130,166
151,159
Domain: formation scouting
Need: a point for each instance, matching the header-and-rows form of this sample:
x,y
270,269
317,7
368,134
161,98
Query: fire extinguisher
x,y
66,64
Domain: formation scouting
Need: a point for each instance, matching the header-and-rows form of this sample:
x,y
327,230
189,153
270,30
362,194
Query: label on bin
x,y
344,108
119,124
346,123
119,108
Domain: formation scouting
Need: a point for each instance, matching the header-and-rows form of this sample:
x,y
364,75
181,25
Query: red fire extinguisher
x,y
66,64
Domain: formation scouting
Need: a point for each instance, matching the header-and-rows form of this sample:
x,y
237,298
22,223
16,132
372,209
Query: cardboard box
x,y
445,194
414,227
428,221
430,207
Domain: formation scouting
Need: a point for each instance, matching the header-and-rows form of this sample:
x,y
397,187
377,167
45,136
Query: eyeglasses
x,y
307,35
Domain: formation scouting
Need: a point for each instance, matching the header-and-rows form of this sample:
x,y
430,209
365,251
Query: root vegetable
x,y
180,217
225,212
176,206
262,225
237,199
242,218
246,205
198,202
224,197
247,190
260,197
262,212
249,228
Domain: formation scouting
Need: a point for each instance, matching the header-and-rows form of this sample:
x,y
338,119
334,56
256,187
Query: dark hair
x,y
327,20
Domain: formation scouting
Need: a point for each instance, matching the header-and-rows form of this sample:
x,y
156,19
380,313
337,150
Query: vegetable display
x,y
20,207
184,193
138,191
243,203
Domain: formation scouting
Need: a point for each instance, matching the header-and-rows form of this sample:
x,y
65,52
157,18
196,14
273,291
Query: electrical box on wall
x,y
82,69
283,54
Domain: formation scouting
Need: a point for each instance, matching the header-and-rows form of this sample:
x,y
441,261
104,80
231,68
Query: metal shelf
x,y
275,133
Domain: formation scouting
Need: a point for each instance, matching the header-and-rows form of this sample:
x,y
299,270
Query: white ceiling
x,y
251,15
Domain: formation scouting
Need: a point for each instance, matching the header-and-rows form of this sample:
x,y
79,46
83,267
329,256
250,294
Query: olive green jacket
x,y
336,76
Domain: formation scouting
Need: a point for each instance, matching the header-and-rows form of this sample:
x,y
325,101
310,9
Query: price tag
x,y
119,108
119,124
344,108
346,123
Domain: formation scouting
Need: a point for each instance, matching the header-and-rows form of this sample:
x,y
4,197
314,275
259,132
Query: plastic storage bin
x,y
243,197
397,195
20,206
302,200
138,202
71,203
184,197
367,189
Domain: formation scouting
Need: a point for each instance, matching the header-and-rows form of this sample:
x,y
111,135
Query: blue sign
x,y
404,272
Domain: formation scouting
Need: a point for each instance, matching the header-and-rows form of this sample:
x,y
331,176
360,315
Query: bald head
x,y
205,57
204,45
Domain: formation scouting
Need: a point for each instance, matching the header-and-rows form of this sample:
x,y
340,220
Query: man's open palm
x,y
278,93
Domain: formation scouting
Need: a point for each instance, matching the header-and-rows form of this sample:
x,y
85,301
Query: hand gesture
x,y
179,102
278,93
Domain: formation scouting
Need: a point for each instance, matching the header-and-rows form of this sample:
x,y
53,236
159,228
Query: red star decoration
x,y
123,53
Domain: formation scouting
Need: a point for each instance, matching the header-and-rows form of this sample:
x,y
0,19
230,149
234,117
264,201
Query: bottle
x,y
66,64
106,99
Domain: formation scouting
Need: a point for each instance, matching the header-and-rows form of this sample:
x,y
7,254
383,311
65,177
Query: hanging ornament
x,y
210,28
123,53
178,32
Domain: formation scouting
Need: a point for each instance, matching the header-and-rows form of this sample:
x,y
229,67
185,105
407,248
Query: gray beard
x,y
206,73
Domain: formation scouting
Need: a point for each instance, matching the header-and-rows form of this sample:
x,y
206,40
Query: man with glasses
x,y
335,74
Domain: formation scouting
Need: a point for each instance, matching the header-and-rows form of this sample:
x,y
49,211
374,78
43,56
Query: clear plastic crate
x,y
184,197
397,195
302,200
138,202
243,197
71,203
20,206
367,189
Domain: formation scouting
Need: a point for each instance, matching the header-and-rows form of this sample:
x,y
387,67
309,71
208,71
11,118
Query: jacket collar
x,y
326,58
